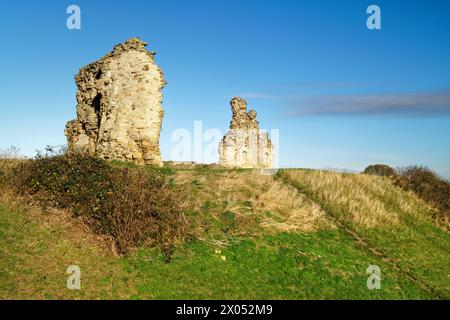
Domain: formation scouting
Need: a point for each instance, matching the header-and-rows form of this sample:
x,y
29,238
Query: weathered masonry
x,y
245,146
119,106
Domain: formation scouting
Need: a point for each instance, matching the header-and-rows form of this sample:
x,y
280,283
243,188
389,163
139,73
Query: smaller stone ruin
x,y
245,146
119,106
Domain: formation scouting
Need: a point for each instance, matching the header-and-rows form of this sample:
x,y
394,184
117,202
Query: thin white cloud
x,y
273,97
430,103
422,103
257,95
324,85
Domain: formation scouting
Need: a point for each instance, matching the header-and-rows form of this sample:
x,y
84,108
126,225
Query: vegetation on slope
x,y
131,206
428,186
38,246
300,234
425,183
390,223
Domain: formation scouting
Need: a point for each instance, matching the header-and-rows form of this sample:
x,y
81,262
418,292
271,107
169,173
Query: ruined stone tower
x,y
119,111
244,146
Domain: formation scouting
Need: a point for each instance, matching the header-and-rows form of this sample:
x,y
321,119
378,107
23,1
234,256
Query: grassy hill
x,y
300,234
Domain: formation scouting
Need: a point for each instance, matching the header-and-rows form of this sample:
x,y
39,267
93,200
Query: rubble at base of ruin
x,y
245,146
119,106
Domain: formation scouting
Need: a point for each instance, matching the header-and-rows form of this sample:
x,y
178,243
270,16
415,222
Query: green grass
x,y
227,264
323,265
35,254
417,246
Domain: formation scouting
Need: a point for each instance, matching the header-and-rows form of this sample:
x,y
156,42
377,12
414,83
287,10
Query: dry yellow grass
x,y
406,201
293,210
340,191
254,198
364,197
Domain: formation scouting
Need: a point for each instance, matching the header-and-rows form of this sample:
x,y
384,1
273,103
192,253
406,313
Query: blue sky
x,y
342,96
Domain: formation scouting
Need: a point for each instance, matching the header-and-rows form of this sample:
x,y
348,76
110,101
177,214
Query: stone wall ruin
x,y
119,106
245,146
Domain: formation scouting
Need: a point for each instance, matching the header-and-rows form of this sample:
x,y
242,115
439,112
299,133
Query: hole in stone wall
x,y
96,103
99,74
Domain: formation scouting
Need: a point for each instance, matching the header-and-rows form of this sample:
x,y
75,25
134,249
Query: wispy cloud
x,y
282,99
430,103
323,85
424,103
258,95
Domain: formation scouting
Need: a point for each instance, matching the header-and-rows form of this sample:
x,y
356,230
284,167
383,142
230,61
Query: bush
x,y
66,181
6,170
380,170
428,186
133,206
